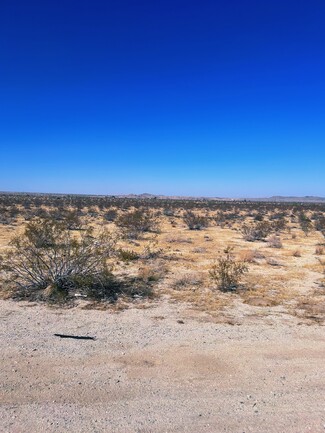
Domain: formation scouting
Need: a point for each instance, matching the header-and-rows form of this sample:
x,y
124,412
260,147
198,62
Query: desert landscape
x,y
162,216
199,315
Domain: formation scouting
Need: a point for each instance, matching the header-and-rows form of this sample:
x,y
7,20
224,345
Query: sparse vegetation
x,y
137,265
47,260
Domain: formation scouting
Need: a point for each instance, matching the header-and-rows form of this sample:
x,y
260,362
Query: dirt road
x,y
160,369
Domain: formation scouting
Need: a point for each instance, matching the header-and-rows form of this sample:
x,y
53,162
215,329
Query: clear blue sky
x,y
215,98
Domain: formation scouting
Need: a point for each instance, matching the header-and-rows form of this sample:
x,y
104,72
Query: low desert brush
x,y
227,272
49,256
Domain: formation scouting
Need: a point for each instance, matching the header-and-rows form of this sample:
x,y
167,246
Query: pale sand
x,y
146,372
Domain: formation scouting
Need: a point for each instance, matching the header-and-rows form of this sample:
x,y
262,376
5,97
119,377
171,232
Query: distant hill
x,y
148,196
275,198
279,198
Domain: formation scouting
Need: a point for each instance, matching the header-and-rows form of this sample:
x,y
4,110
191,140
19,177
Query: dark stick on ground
x,y
76,337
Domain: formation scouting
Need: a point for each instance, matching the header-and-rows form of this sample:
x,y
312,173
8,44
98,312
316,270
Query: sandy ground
x,y
159,369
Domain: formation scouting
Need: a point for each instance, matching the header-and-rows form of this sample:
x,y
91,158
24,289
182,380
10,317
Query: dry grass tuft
x,y
311,309
274,241
202,299
319,250
249,256
188,280
178,240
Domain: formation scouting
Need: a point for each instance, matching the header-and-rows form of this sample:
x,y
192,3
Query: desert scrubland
x,y
207,316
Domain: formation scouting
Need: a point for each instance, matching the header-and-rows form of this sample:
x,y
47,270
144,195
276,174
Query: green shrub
x,y
305,223
226,272
257,232
136,222
127,255
48,260
195,222
110,215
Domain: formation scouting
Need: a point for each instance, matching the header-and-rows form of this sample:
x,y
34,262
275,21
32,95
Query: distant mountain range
x,y
275,198
279,198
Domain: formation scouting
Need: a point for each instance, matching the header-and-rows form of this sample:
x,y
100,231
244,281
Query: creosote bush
x,y
48,260
305,223
257,232
110,215
136,222
127,255
226,272
194,221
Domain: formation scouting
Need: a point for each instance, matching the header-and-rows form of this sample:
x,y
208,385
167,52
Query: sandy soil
x,y
161,369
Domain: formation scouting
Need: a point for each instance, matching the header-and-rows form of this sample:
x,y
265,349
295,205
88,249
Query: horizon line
x,y
180,197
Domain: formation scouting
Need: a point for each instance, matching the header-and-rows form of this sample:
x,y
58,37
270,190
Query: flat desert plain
x,y
190,358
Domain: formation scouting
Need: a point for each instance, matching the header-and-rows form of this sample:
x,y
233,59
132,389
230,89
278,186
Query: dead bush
x,y
178,240
319,250
187,280
152,272
274,242
273,262
199,250
248,256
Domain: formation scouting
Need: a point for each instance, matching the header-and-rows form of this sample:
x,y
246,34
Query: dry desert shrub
x,y
110,215
319,250
305,223
257,232
153,270
134,223
151,250
199,250
320,224
311,309
274,241
322,263
273,262
194,221
48,260
265,292
202,299
188,280
296,253
227,272
249,256
178,240
127,255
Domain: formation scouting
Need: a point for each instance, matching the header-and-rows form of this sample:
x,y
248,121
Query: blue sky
x,y
215,98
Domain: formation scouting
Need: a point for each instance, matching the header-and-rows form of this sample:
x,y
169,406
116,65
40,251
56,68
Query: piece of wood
x,y
76,337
